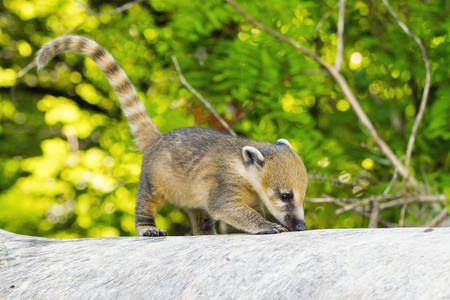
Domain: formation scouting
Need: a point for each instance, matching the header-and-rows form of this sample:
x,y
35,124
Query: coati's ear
x,y
284,142
252,156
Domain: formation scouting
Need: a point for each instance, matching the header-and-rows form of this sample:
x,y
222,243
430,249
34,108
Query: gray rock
x,y
401,263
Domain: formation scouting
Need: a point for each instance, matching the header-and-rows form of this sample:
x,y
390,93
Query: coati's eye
x,y
286,197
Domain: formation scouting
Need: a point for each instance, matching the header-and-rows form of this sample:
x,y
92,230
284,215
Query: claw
x,y
155,232
275,230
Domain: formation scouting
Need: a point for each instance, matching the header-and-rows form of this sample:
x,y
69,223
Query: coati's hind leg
x,y
202,223
146,206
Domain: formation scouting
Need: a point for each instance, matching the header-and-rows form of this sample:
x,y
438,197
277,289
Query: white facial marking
x,y
299,212
274,210
296,196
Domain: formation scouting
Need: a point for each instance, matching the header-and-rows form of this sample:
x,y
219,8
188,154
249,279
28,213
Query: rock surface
x,y
401,263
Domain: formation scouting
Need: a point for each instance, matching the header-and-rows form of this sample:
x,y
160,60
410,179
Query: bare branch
x,y
360,212
274,33
405,203
318,200
85,7
414,199
323,19
374,214
365,201
439,219
111,12
426,89
340,36
202,99
394,178
170,78
18,76
332,180
394,200
340,80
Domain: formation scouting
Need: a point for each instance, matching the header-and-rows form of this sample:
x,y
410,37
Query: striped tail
x,y
141,125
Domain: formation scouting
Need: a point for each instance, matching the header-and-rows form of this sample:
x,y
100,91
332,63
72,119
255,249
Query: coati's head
x,y
279,176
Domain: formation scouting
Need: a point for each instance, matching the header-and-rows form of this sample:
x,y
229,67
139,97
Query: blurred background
x,y
68,165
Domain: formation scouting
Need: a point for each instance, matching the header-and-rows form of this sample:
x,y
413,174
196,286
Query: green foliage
x,y
68,165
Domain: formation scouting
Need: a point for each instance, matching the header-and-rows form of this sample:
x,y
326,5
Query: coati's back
x,y
211,175
193,161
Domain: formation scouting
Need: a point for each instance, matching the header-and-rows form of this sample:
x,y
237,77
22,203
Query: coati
x,y
212,175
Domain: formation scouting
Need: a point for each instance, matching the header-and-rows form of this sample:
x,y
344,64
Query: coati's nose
x,y
299,226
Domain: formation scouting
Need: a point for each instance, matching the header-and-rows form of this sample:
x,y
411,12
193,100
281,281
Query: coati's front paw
x,y
151,231
155,232
273,230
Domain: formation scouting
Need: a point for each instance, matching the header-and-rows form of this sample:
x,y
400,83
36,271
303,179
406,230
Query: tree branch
x,y
405,203
360,202
426,89
321,21
394,200
414,199
340,80
201,98
340,36
360,212
439,218
111,12
374,214
391,183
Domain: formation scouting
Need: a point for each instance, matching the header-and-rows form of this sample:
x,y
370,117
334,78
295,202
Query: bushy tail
x,y
141,125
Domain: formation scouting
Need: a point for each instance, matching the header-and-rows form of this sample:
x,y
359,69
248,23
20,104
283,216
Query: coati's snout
x,y
300,226
295,224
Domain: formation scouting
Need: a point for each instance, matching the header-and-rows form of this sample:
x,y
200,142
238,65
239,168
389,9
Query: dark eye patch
x,y
286,197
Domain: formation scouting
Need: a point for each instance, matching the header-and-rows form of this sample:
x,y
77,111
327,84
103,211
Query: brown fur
x,y
212,175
